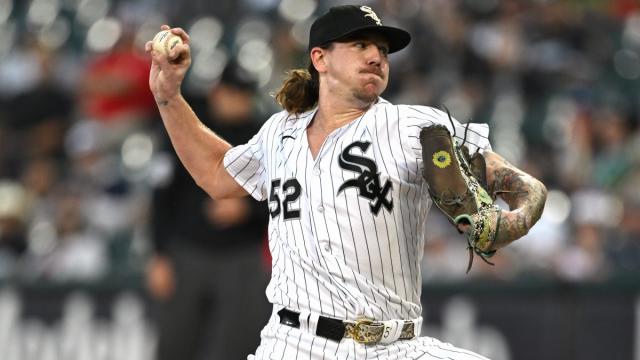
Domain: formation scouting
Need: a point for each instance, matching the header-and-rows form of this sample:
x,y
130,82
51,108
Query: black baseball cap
x,y
342,21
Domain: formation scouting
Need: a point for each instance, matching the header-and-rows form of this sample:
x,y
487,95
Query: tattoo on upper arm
x,y
508,184
523,193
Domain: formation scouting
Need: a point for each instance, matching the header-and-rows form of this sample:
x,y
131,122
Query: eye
x,y
384,49
360,44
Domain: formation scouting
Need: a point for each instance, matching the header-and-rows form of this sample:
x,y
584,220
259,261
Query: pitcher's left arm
x,y
524,194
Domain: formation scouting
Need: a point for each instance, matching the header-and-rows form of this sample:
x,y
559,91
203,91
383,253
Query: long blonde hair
x,y
299,91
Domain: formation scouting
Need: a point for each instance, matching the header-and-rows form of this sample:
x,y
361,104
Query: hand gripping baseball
x,y
168,69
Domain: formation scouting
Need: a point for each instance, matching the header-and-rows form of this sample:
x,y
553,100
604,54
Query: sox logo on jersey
x,y
368,183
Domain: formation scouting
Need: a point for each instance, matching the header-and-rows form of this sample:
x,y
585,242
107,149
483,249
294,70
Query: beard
x,y
365,96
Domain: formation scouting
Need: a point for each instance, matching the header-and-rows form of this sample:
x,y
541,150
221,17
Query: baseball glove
x,y
455,183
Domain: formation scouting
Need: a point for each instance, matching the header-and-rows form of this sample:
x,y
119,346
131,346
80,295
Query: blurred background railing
x,y
81,148
515,320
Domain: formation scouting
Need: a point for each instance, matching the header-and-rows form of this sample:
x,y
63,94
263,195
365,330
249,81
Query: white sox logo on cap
x,y
341,22
371,14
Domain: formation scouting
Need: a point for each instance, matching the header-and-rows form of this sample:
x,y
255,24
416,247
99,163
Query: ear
x,y
318,59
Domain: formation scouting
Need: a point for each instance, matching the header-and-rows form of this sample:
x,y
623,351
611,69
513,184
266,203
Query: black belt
x,y
362,331
329,328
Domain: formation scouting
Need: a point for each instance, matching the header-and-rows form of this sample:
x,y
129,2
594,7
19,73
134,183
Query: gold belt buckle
x,y
365,331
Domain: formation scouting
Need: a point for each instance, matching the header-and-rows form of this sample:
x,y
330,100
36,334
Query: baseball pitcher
x,y
350,178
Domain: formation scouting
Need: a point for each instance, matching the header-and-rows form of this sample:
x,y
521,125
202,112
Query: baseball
x,y
164,41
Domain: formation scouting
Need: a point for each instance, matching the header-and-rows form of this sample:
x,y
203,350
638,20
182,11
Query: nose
x,y
374,56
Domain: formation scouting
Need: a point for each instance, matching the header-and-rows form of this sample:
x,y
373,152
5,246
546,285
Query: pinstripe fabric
x,y
343,246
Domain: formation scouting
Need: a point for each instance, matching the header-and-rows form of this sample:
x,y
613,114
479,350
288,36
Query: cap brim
x,y
398,39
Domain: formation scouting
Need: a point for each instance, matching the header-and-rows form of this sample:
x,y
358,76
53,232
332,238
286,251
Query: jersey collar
x,y
303,120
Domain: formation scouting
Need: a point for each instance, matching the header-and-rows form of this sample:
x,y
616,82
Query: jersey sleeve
x,y
475,136
247,163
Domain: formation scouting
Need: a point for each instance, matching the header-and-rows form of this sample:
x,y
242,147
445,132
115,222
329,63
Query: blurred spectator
x,y
624,245
113,204
35,117
95,170
612,159
114,89
584,257
13,208
207,273
444,255
77,251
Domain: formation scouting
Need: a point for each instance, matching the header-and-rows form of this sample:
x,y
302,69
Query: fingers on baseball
x,y
179,54
183,34
177,31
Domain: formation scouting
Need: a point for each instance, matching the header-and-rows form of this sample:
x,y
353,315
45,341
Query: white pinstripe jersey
x,y
347,228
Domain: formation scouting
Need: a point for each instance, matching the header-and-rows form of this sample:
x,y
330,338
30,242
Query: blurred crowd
x,y
81,143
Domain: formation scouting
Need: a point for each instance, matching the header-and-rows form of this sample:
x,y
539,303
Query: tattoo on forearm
x,y
162,102
525,196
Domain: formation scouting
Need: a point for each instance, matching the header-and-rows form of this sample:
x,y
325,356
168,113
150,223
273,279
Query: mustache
x,y
373,70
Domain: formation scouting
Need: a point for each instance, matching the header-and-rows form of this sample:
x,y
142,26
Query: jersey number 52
x,y
291,190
